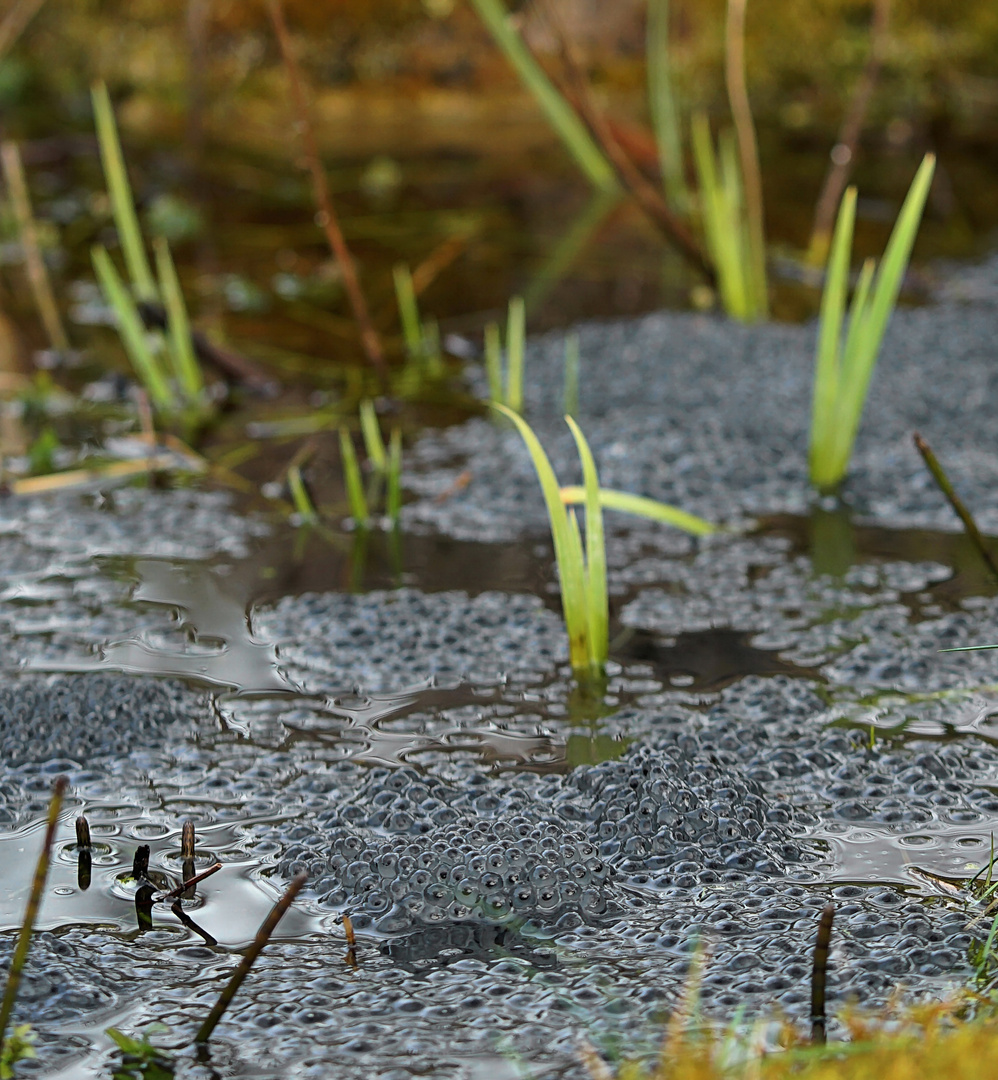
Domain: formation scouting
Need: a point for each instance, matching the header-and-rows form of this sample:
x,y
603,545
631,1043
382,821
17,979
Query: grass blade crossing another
x,y
354,484
567,547
133,332
642,506
187,370
560,114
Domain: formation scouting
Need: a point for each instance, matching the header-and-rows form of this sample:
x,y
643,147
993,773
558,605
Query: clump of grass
x,y
506,387
582,573
385,466
844,363
167,366
727,230
582,570
421,337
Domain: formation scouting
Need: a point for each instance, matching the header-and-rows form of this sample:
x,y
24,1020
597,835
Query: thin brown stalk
x,y
267,928
15,22
326,216
959,506
31,911
38,278
630,176
180,890
819,975
844,152
748,149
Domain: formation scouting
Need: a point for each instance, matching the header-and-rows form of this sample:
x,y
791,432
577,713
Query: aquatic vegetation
x,y
140,1057
844,364
386,470
267,927
664,107
726,223
556,108
167,366
570,395
507,388
422,338
19,1045
642,506
582,573
960,508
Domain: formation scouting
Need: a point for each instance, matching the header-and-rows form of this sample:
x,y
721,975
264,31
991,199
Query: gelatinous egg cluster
x,y
408,848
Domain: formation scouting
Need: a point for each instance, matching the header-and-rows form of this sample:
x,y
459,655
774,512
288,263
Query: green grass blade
x,y
133,334
827,367
642,506
300,499
572,356
597,602
352,479
885,290
734,251
431,349
567,556
186,368
374,444
120,193
663,106
516,332
393,490
859,314
405,297
493,363
560,114
580,649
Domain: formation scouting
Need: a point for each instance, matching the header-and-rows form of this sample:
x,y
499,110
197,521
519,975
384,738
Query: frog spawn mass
x,y
409,849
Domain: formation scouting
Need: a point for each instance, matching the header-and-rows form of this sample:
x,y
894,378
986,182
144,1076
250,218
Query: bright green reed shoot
x,y
186,368
133,333
120,193
843,368
374,444
354,483
582,573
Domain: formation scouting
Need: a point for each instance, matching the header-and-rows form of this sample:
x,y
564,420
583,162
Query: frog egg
x,y
523,897
437,895
496,906
495,859
376,902
571,892
399,821
541,875
593,902
419,880
547,898
466,892
490,882
387,864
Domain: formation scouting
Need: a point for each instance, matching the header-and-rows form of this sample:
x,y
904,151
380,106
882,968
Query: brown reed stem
x,y
190,883
643,192
267,928
31,911
38,277
15,22
843,154
326,217
819,975
959,506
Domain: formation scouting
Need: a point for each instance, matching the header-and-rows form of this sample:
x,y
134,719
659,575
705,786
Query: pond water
x,y
526,861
